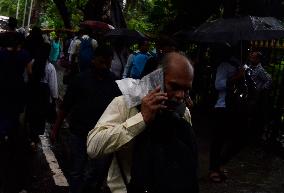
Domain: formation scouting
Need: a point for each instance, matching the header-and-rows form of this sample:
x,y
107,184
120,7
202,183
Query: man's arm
x,y
266,78
94,44
53,86
114,129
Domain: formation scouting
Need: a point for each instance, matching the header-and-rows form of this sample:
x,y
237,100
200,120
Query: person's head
x,y
165,44
36,34
12,24
144,46
45,50
103,56
85,31
194,57
41,58
254,57
178,76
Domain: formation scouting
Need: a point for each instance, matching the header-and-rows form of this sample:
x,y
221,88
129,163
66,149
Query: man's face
x,y
178,83
254,58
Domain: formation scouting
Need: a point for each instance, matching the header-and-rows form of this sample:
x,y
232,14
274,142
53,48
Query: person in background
x,y
139,60
12,24
42,93
85,100
14,60
120,53
34,41
129,63
164,45
228,117
258,105
56,49
82,50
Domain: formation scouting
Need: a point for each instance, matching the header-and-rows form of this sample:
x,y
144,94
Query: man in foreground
x,y
153,144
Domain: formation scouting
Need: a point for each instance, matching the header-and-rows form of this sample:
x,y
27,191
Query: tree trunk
x,y
117,17
98,10
37,10
64,12
109,11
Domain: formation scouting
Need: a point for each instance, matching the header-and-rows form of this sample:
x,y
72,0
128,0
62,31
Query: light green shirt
x,y
114,133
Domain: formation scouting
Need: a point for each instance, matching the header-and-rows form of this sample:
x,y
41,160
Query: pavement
x,y
253,170
257,168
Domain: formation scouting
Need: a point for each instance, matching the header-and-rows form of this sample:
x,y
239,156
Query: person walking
x,y
152,144
85,100
42,93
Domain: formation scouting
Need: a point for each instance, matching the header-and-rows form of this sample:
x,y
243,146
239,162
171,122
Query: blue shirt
x,y
139,61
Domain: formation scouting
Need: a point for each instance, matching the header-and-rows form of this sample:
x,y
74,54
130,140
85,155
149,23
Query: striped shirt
x,y
261,78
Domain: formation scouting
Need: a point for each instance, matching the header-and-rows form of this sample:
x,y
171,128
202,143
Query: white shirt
x,y
114,133
51,79
224,71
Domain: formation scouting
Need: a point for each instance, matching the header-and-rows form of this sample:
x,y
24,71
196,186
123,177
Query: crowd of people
x,y
117,145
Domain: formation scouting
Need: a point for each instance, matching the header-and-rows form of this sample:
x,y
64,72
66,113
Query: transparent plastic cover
x,y
134,90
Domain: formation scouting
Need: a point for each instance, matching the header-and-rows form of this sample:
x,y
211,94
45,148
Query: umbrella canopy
x,y
235,29
96,25
126,34
184,35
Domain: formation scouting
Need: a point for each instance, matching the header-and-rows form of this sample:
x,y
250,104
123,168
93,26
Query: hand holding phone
x,y
153,103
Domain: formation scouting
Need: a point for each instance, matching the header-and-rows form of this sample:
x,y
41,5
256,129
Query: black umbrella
x,y
126,34
233,30
184,35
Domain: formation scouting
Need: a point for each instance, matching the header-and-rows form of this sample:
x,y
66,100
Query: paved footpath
x,y
253,170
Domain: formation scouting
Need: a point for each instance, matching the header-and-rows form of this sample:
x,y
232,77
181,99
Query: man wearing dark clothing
x,y
14,60
85,100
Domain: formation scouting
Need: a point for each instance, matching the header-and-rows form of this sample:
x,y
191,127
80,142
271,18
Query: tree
x,y
64,12
146,15
108,11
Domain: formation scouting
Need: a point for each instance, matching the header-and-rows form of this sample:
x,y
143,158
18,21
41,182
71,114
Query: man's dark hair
x,y
163,41
12,23
103,51
41,59
11,39
142,43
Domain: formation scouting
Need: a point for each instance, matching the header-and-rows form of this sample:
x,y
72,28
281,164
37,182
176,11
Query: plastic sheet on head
x,y
134,90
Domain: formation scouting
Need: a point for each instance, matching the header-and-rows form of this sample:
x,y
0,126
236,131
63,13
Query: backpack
x,y
164,158
86,53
